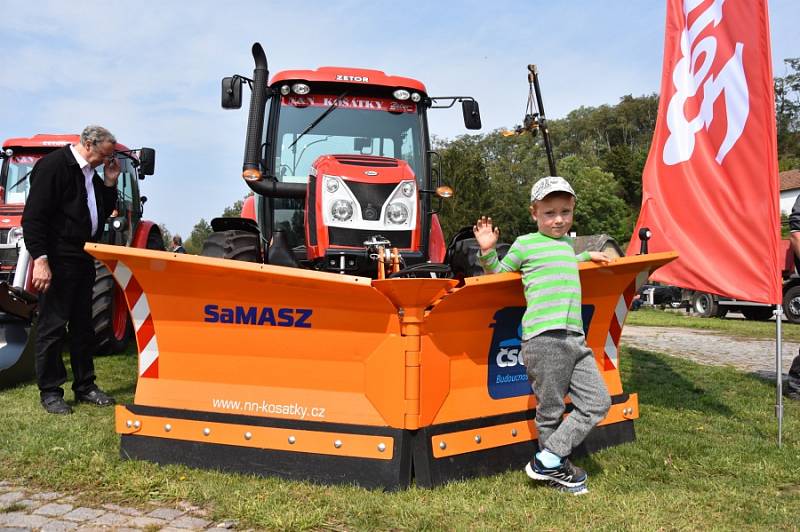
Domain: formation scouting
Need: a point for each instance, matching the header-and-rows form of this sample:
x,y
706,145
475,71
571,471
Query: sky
x,y
150,71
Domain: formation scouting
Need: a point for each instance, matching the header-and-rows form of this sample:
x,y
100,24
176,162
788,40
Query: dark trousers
x,y
68,301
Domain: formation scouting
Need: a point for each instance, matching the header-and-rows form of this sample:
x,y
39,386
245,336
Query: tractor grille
x,y
4,235
338,236
371,197
366,160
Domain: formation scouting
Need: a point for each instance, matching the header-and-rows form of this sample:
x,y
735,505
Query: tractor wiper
x,y
320,118
22,179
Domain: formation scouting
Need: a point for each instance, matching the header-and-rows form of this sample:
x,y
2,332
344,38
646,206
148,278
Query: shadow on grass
x,y
658,384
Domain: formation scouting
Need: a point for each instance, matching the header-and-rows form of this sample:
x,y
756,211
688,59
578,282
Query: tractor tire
x,y
757,313
233,244
113,329
705,306
155,241
791,304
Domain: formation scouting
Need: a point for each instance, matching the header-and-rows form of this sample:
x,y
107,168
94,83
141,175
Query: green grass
x,y
705,458
731,326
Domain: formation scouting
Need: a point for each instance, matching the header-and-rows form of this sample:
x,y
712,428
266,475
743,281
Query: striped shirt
x,y
550,279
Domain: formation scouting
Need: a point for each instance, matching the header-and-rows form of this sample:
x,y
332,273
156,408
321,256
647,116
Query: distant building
x,y
790,188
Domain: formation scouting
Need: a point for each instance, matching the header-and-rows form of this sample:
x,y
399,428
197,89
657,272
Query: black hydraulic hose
x,y
533,76
258,103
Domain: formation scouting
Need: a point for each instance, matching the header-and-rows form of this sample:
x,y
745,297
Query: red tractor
x,y
112,324
341,164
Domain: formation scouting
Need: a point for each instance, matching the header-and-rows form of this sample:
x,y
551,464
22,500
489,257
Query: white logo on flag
x,y
689,76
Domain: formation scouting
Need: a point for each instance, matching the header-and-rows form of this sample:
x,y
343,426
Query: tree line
x,y
600,150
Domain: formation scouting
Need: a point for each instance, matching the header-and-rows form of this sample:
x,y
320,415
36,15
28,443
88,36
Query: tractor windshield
x,y
362,125
357,125
16,178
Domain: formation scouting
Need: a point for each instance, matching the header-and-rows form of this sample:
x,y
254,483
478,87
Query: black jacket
x,y
56,220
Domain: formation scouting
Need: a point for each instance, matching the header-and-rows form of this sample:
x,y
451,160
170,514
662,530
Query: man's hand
x,y
42,276
111,171
485,234
600,257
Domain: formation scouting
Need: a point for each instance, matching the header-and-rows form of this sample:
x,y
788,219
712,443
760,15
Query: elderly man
x,y
66,207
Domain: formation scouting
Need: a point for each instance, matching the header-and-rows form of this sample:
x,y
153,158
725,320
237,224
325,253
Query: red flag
x,y
710,184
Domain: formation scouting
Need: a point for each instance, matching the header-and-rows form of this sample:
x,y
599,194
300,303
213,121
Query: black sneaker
x,y
565,474
580,489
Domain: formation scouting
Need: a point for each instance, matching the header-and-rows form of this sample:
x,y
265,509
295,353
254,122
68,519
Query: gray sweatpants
x,y
559,362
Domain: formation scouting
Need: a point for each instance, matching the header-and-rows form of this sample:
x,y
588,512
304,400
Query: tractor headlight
x,y
14,235
331,184
396,213
401,94
301,89
342,210
407,189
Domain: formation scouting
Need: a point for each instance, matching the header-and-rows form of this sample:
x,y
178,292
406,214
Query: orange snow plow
x,y
335,378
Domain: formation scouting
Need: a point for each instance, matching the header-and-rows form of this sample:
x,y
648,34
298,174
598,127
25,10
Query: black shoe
x,y
96,397
56,404
565,474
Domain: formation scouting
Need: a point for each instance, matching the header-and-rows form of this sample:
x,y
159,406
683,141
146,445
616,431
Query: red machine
x,y
112,324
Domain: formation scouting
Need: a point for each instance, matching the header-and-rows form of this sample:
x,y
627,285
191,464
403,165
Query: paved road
x,y
712,348
25,509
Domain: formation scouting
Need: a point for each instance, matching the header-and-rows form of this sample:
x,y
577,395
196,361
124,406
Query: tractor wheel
x,y
113,329
757,313
791,304
233,244
705,306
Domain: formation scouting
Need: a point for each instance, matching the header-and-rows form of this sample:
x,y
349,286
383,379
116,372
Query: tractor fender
x,y
147,236
436,245
249,208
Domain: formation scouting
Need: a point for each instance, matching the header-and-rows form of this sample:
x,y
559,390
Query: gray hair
x,y
97,135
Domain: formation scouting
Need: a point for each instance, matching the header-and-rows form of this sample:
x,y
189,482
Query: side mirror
x,y
232,93
147,161
472,114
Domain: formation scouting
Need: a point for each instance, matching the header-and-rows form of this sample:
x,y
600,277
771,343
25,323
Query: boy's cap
x,y
548,185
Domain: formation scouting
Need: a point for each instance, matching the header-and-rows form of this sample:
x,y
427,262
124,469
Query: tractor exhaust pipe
x,y
251,170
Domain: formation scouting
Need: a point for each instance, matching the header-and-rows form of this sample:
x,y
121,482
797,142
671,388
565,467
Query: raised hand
x,y
485,234
111,171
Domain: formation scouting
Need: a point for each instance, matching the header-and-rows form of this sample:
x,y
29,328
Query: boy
x,y
553,345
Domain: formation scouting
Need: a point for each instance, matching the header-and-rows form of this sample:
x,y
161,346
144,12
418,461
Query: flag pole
x,y
778,370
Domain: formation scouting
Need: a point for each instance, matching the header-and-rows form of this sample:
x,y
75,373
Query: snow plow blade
x,y
342,379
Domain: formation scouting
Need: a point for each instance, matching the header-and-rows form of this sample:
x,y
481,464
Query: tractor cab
x,y
340,160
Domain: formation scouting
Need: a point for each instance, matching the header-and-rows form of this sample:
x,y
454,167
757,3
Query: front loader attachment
x,y
341,379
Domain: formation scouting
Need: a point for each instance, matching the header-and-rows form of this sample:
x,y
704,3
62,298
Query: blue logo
x,y
262,316
506,369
